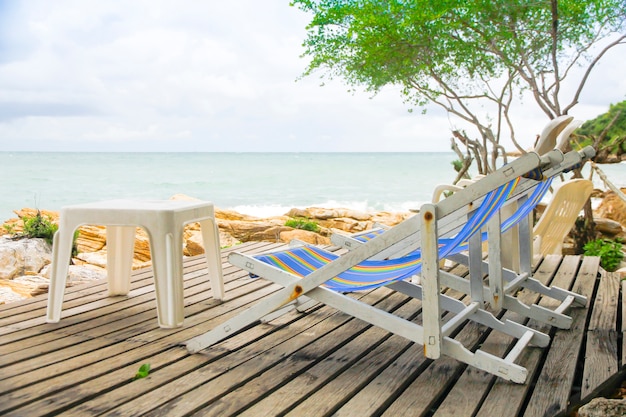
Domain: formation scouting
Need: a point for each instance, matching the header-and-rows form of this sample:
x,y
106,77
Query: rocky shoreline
x,y
24,263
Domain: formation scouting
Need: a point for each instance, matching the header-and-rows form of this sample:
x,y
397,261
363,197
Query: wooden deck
x,y
318,363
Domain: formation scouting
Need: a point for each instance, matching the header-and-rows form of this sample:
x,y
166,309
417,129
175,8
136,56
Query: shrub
x,y
42,227
39,226
303,224
609,251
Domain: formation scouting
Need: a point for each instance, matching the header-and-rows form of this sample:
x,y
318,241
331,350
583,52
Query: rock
x,y
271,234
35,285
91,238
608,226
603,407
347,224
7,295
304,236
612,207
99,259
23,256
233,215
250,230
233,227
195,246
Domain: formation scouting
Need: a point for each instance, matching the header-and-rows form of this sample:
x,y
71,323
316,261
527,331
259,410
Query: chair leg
x,y
61,254
120,249
211,242
166,252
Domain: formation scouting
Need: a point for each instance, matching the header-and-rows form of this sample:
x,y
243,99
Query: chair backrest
x,y
560,215
548,138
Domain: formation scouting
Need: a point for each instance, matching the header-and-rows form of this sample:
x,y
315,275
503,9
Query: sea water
x,y
259,184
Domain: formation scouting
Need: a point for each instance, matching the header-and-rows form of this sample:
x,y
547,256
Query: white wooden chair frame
x,y
502,282
434,221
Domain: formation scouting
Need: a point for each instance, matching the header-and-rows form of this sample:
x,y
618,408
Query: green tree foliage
x,y
609,127
474,58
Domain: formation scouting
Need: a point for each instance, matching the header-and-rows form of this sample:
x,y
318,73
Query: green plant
x,y
457,164
39,226
143,371
304,224
10,228
609,251
42,227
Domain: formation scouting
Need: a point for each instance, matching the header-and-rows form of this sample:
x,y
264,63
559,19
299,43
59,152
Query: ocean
x,y
259,184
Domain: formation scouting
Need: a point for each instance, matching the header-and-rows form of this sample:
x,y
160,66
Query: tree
x,y
474,58
606,133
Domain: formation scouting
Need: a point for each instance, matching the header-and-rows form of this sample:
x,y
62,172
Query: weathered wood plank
x,y
97,305
97,362
364,354
204,386
129,313
305,364
92,365
503,394
601,361
471,391
555,382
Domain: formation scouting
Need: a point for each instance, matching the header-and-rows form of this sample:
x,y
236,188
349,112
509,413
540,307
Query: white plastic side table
x,y
163,221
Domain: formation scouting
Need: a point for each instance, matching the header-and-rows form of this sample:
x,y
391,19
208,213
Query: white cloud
x,y
202,76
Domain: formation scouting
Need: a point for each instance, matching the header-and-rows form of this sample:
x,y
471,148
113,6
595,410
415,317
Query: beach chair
x,y
503,282
559,216
309,271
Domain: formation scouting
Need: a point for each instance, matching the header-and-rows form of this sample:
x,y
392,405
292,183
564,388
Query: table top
x,y
146,205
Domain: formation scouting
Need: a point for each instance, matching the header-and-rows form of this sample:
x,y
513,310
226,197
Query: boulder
x,y
91,238
8,295
603,407
23,256
304,236
250,230
612,207
608,227
233,227
317,213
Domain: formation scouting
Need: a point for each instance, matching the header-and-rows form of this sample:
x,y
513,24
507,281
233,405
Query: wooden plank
x,y
470,392
553,388
328,381
207,384
76,295
110,389
601,361
303,363
87,366
98,357
107,305
134,311
85,300
372,397
505,398
431,385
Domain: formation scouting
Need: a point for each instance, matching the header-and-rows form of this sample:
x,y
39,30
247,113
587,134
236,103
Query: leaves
x,y
609,251
143,371
473,58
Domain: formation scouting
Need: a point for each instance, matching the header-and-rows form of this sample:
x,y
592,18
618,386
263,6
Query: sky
x,y
206,76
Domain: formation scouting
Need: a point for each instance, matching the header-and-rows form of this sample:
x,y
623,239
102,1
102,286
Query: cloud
x,y
191,76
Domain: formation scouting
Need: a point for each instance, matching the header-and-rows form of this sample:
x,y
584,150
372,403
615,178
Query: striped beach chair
x,y
324,277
